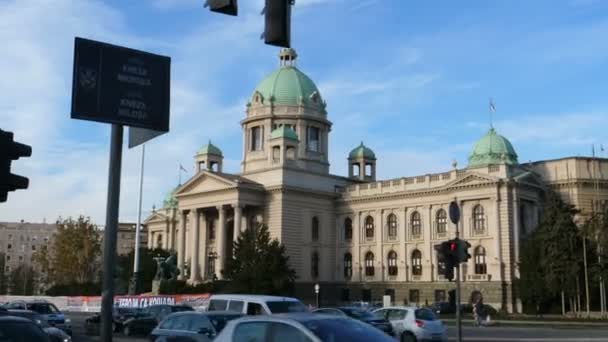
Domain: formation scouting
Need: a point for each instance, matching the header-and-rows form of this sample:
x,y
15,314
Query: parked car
x,y
414,324
192,326
442,308
300,327
19,329
55,334
255,304
149,318
48,310
119,316
360,315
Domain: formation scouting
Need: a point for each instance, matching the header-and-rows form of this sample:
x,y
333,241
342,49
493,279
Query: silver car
x,y
413,324
300,327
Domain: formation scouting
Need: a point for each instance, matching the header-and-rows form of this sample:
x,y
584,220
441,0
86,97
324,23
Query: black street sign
x,y
454,212
119,85
138,136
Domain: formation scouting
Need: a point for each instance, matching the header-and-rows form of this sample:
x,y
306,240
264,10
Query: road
x,y
489,334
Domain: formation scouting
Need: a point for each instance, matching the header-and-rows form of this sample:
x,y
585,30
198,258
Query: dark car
x,y
360,315
149,318
119,316
192,326
19,329
48,310
55,334
442,308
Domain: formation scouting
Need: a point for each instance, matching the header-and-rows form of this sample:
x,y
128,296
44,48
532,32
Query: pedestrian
x,y
475,318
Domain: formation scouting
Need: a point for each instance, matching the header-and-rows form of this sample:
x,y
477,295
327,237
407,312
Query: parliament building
x,y
357,236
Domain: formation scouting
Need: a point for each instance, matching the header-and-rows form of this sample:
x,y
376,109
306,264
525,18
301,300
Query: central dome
x,y
492,148
288,85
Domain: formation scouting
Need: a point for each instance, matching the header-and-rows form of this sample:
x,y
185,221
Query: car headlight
x,y
68,320
67,339
38,322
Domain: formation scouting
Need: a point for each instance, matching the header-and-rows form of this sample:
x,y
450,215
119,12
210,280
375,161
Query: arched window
x,y
392,226
442,221
392,263
416,263
348,229
315,228
416,224
348,266
479,220
369,227
314,265
369,264
480,260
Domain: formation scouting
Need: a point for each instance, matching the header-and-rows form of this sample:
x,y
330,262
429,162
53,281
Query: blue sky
x,y
411,79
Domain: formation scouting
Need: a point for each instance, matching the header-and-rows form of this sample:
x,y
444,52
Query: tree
x,y
74,253
559,242
531,286
260,264
147,268
23,280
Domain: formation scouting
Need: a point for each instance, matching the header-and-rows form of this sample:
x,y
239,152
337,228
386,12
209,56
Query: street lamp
x,y
317,287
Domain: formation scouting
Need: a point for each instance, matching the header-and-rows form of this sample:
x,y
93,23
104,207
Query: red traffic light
x,y
453,246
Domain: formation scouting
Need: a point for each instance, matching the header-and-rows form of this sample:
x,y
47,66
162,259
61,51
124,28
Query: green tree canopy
x,y
260,264
23,280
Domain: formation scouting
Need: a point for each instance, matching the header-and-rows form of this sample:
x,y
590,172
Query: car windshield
x,y
181,308
125,311
285,307
43,308
358,314
21,332
425,315
219,321
345,330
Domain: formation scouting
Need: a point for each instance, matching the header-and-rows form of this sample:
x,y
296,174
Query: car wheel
x,y
127,330
408,337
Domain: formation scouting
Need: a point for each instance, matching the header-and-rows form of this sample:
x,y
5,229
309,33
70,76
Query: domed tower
x,y
492,149
362,163
209,158
286,103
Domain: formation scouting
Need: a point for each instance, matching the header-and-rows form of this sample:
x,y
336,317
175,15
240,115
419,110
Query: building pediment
x,y
206,181
155,217
529,178
472,179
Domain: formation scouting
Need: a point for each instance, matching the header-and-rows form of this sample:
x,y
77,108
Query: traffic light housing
x,y
277,29
447,255
462,248
229,7
9,151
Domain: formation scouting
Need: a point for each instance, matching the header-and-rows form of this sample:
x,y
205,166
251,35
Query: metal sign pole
x,y
109,234
138,226
458,314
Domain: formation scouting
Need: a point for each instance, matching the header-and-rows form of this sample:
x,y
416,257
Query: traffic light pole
x,y
458,314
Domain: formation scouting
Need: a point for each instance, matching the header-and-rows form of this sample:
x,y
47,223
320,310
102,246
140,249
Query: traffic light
x,y
9,151
277,30
462,248
446,255
223,6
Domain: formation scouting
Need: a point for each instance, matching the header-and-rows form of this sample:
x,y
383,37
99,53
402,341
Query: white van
x,y
255,304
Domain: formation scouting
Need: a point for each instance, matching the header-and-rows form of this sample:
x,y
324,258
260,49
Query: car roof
x,y
399,307
288,317
252,297
9,318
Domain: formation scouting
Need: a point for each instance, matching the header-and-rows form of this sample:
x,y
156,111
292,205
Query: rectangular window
x,y
217,305
312,139
235,306
256,138
414,296
440,296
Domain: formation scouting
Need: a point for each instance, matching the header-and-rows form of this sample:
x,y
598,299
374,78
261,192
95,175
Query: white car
x,y
255,304
412,324
300,327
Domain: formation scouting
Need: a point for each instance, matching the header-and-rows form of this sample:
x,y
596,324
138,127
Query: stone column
x,y
181,252
238,214
515,232
221,242
356,246
203,240
194,258
498,238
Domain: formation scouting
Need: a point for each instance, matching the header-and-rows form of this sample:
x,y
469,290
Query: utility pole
x,y
454,212
135,283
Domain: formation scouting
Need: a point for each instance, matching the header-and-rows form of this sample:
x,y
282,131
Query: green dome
x,y
210,149
288,85
284,132
362,151
170,201
492,148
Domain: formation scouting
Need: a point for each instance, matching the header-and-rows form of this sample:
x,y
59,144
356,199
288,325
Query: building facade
x,y
20,240
358,237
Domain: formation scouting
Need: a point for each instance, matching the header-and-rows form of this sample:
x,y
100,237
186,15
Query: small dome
x,y
492,148
284,132
170,201
288,85
210,149
362,151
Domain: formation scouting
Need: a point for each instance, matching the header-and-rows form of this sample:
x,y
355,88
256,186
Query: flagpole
x,y
138,226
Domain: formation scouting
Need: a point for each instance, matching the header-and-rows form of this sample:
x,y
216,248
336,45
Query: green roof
x,y
362,151
289,86
492,148
284,132
210,149
170,201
